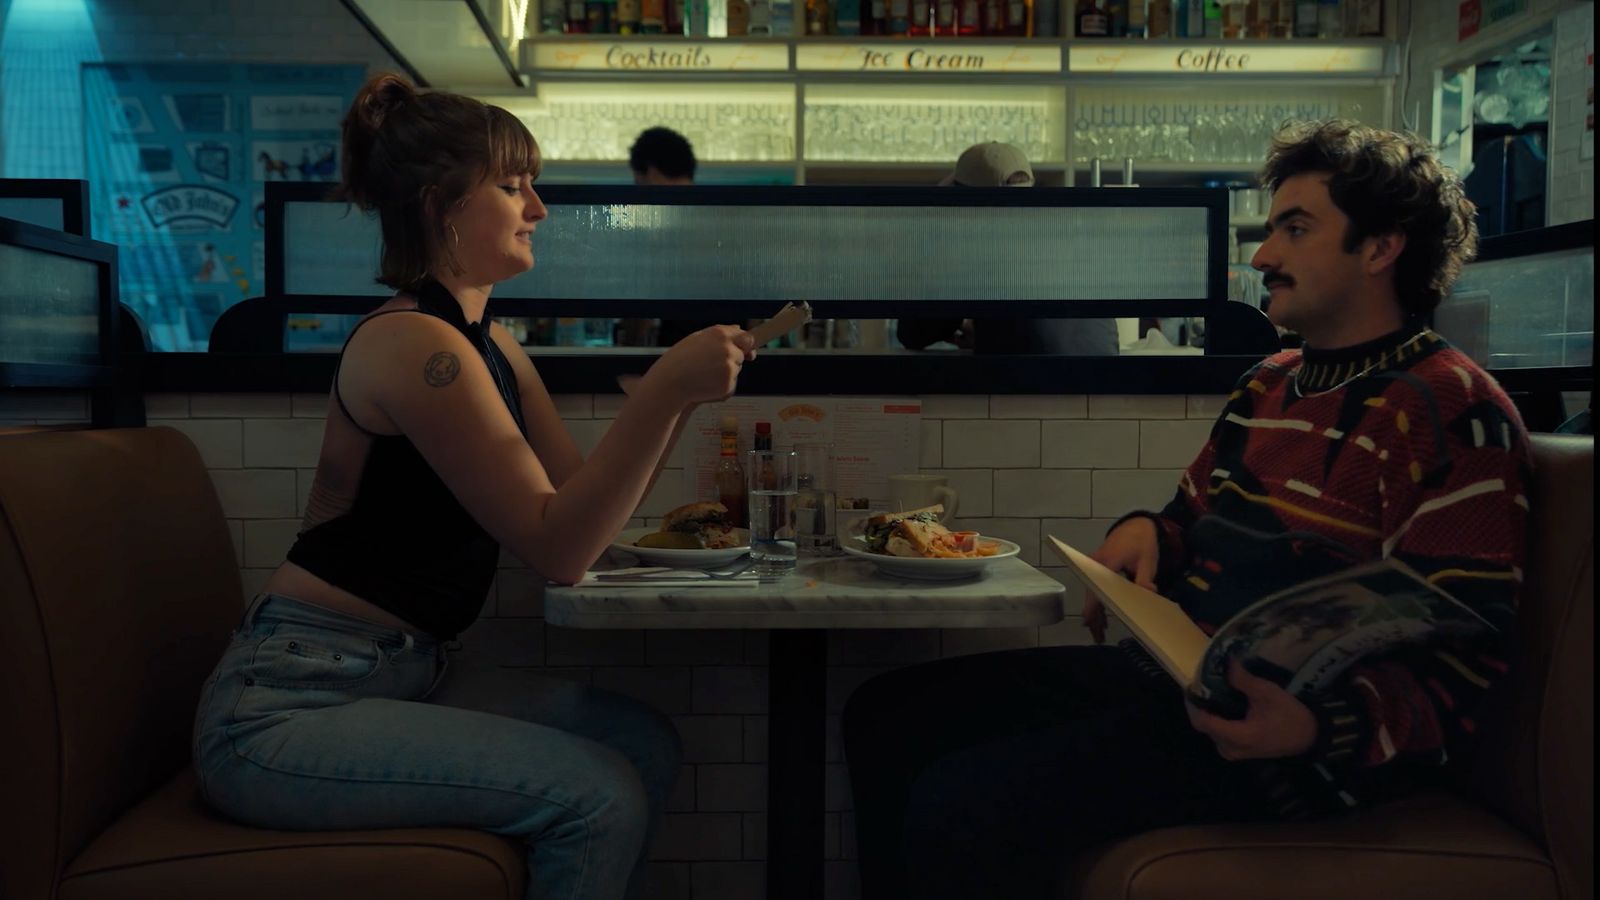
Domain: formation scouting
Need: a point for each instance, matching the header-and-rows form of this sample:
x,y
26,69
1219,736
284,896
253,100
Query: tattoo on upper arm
x,y
441,368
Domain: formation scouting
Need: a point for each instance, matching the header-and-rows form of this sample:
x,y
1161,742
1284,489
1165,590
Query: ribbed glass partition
x,y
806,252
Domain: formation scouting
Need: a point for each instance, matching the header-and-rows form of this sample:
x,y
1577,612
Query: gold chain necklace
x,y
1294,377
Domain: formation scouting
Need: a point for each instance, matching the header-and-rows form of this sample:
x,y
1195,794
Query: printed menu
x,y
872,438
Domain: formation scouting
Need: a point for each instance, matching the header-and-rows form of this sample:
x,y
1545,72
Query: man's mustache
x,y
1276,279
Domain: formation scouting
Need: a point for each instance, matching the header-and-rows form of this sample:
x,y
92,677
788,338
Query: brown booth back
x,y
1537,765
99,684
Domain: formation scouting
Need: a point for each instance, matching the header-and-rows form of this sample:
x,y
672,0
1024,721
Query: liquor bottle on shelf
x,y
553,16
1192,21
1092,20
738,18
1366,18
728,476
1258,18
1116,18
577,18
783,17
921,18
993,15
1282,25
1305,18
1213,18
674,17
1330,19
1019,18
598,13
1158,19
874,17
628,16
897,18
652,16
944,18
697,18
1044,19
969,18
819,17
760,21
1138,27
1234,13
847,17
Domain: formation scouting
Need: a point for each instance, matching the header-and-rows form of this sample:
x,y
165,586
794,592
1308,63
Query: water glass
x,y
773,488
816,503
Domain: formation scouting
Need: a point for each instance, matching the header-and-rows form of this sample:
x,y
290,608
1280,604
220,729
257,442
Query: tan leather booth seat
x,y
118,587
1522,830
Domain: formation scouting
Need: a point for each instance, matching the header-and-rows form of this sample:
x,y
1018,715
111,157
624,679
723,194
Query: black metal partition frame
x,y
71,193
1213,201
112,389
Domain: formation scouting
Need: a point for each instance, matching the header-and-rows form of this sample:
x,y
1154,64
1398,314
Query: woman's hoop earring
x,y
456,235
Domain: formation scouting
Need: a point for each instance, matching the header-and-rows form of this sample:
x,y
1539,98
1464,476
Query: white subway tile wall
x,y
1025,467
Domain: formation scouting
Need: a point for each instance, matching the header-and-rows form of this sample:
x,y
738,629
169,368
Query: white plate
x,y
929,569
680,559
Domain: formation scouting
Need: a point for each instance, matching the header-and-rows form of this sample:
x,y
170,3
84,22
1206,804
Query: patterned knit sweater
x,y
1314,466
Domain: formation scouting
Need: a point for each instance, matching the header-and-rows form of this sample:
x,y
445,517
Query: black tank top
x,y
407,545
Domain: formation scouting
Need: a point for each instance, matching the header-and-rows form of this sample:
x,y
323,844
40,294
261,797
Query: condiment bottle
x,y
763,441
729,474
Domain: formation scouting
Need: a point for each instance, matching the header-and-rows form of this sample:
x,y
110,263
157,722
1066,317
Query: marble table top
x,y
822,593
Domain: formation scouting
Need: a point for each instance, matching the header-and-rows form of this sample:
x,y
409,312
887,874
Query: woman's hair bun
x,y
381,97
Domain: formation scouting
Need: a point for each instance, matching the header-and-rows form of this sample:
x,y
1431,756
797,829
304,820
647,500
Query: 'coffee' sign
x,y
645,56
944,56
1205,59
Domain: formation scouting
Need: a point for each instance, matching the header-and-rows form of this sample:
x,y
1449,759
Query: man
x,y
661,156
980,776
993,164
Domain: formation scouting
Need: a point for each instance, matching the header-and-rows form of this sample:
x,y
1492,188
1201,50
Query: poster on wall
x,y
177,156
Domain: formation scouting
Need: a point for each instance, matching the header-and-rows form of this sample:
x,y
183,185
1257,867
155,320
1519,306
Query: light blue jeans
x,y
315,720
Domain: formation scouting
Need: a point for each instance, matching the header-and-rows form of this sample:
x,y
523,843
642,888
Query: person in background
x,y
661,156
334,705
993,164
982,776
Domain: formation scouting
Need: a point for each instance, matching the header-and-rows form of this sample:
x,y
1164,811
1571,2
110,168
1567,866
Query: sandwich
x,y
918,533
695,526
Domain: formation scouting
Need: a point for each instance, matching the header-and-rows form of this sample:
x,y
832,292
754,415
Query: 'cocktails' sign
x,y
646,56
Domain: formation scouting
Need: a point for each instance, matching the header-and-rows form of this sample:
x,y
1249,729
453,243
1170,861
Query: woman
x,y
332,707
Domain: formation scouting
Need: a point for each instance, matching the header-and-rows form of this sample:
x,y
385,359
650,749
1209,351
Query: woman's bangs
x,y
513,151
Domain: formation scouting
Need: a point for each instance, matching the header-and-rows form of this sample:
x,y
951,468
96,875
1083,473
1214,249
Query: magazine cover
x,y
1303,638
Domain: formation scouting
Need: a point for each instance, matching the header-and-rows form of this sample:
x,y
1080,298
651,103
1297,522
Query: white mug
x,y
916,491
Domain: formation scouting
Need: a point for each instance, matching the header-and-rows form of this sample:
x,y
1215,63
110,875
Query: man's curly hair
x,y
1386,181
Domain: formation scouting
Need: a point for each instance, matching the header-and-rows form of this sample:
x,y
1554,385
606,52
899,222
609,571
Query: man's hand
x,y
1132,549
1275,725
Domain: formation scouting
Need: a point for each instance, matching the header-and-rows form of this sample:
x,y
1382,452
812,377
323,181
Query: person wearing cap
x,y
994,164
991,164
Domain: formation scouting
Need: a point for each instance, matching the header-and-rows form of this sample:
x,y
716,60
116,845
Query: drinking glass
x,y
772,489
816,502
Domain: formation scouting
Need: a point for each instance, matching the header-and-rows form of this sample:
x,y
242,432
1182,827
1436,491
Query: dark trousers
x,y
981,776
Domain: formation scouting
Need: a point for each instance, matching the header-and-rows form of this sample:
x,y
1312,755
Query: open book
x,y
1302,638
